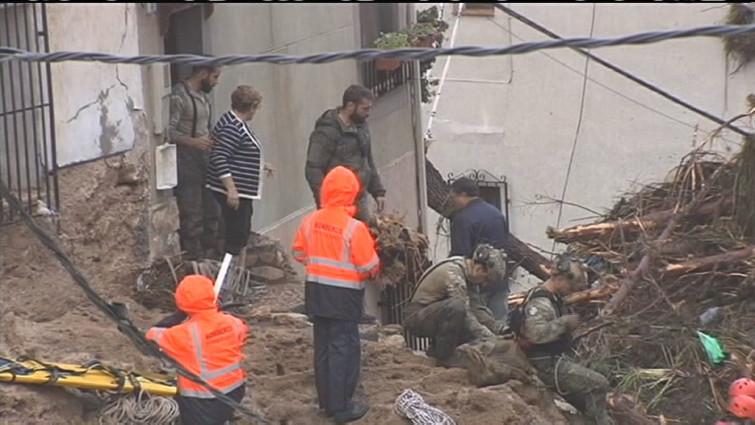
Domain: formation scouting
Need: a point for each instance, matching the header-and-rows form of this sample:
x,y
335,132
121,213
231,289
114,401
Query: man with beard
x,y
189,128
342,137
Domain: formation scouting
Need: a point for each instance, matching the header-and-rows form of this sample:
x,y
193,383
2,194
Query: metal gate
x,y
28,164
394,298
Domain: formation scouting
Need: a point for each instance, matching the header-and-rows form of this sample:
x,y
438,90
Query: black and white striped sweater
x,y
238,153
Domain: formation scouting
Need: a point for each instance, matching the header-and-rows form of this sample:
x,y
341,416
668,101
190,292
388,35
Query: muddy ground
x,y
44,315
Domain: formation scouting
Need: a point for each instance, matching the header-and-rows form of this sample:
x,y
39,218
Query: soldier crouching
x,y
546,337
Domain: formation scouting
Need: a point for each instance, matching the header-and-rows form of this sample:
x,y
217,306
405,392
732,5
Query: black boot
x,y
354,412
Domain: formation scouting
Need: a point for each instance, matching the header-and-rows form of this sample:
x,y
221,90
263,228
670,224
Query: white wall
x,y
517,115
94,102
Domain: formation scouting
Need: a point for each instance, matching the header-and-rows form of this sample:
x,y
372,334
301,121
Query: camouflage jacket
x,y
545,326
450,279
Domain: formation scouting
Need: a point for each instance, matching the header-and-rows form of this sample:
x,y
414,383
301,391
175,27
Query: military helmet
x,y
493,259
573,269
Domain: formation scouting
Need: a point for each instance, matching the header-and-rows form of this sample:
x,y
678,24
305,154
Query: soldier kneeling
x,y
543,327
447,307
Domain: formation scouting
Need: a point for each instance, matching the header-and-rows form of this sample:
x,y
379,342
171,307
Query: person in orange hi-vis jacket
x,y
339,254
209,344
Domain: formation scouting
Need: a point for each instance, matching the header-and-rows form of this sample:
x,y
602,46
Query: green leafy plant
x,y
392,40
428,32
427,19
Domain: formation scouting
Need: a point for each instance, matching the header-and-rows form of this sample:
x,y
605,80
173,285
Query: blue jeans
x,y
498,303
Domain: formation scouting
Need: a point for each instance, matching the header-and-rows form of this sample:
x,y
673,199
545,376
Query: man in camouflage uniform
x,y
189,129
546,337
447,306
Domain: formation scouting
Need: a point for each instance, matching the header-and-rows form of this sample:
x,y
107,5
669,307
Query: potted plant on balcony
x,y
423,35
429,28
390,41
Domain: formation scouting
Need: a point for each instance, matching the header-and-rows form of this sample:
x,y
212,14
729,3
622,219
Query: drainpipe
x,y
415,96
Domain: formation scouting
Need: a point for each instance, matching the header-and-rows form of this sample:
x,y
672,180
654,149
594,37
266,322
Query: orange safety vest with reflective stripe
x,y
338,250
209,344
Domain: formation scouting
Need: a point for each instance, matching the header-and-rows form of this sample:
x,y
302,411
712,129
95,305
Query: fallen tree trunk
x,y
575,298
517,251
634,277
642,268
648,221
708,263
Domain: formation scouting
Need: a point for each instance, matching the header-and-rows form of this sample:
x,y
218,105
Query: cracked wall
x,y
96,104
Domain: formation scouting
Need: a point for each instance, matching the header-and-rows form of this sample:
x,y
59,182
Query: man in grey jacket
x,y
342,137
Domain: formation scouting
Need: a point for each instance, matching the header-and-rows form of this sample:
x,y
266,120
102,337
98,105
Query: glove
x,y
500,328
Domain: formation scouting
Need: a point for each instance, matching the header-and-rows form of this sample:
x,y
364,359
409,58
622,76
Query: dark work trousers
x,y
198,211
238,223
208,411
337,362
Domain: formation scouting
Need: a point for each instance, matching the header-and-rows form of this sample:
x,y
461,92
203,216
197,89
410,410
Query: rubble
x,y
660,258
403,251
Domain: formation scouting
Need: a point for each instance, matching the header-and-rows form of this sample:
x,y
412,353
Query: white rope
x,y
141,409
412,406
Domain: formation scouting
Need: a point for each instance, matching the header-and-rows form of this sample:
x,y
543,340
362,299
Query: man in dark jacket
x,y
474,222
342,137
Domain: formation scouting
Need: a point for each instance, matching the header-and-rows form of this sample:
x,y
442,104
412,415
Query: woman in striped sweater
x,y
235,170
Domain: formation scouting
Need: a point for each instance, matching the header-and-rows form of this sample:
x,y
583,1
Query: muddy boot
x,y
354,412
454,360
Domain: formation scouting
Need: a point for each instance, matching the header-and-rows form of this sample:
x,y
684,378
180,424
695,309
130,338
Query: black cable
x,y
626,74
116,313
577,131
414,53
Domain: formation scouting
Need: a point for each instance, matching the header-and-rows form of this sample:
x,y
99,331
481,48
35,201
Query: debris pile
x,y
674,263
403,252
263,261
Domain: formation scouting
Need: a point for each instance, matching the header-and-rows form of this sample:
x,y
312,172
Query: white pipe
x,y
445,71
222,273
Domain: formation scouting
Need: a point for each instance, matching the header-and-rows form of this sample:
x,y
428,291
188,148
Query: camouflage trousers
x,y
585,389
444,321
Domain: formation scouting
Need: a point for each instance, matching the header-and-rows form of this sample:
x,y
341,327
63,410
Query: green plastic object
x,y
713,348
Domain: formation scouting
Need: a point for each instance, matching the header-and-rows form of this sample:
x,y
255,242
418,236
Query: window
x,y
379,76
493,189
491,195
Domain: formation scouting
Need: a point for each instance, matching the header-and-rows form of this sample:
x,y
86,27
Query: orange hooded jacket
x,y
209,344
338,250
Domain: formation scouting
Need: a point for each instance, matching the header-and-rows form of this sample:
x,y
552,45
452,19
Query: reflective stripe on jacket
x,y
209,344
337,249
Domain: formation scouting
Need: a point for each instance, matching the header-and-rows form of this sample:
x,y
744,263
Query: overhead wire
x,y
577,130
626,74
611,89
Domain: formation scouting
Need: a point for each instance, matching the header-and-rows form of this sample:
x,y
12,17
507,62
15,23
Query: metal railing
x,y
394,298
385,75
28,164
